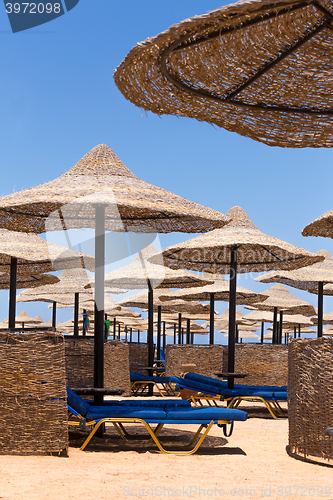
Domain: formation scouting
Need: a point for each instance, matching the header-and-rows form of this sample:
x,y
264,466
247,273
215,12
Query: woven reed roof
x,y
280,297
327,319
256,252
322,226
60,298
69,282
243,334
220,287
36,255
27,280
172,317
306,278
141,300
289,319
100,177
287,330
328,289
136,274
24,318
260,68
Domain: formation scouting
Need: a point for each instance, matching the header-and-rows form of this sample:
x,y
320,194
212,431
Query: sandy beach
x,y
252,463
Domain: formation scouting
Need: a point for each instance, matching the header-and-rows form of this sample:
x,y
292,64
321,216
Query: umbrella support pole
x,y
274,326
179,328
150,333
211,318
188,331
99,301
76,314
159,324
232,315
164,337
280,327
12,293
262,332
320,309
54,315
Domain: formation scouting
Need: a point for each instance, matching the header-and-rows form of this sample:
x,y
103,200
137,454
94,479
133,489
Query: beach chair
x,y
85,415
166,386
212,391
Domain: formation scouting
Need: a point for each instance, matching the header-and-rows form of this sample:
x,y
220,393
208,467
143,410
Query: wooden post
x,y
54,315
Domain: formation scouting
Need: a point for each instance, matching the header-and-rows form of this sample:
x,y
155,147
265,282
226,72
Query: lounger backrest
x,y
81,406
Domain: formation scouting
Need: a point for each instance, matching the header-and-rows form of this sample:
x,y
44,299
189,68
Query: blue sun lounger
x,y
215,390
139,384
83,415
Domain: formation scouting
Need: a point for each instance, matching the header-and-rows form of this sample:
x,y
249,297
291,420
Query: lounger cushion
x,y
222,383
98,412
206,414
174,403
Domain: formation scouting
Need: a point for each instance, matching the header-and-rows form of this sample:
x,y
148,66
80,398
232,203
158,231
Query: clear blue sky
x,y
58,100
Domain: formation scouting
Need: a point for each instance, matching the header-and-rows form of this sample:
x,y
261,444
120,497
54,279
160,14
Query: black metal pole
x,y
262,332
232,315
174,334
12,292
211,318
99,300
138,336
299,330
150,333
320,309
295,332
237,335
118,331
188,331
159,324
192,338
114,328
281,323
54,315
76,314
164,336
179,328
131,332
274,325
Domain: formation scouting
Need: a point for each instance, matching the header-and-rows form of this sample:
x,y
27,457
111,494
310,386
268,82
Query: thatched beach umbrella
x,y
310,278
23,254
101,192
280,299
218,290
143,274
260,68
23,318
238,247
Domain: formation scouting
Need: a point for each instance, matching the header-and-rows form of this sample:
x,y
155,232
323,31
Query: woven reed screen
x,y
80,364
265,364
138,357
33,394
208,359
310,397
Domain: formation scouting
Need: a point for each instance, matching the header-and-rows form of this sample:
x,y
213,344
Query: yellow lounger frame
x,y
195,443
272,406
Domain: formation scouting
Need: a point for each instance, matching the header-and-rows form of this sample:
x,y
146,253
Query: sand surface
x,y
252,463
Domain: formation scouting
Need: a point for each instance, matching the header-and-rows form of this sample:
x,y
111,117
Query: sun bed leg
x,y
93,432
224,428
120,430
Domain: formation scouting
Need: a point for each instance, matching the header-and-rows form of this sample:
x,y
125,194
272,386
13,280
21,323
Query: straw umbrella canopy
x,y
260,68
310,278
141,273
23,318
238,247
218,290
327,318
72,282
279,298
28,280
102,193
24,255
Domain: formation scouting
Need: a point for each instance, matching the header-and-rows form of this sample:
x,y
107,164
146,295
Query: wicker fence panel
x,y
138,357
80,364
266,364
208,359
310,397
33,394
